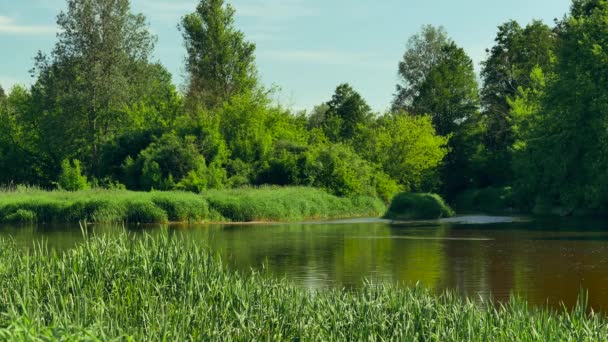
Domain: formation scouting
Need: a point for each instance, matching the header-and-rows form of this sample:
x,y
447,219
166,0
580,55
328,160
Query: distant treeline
x,y
101,113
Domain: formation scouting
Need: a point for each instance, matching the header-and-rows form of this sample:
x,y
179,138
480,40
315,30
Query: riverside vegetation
x,y
101,113
162,288
26,205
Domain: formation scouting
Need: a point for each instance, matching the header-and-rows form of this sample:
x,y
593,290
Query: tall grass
x,y
160,288
264,204
291,204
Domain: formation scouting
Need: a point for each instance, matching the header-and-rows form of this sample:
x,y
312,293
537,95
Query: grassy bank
x,y
412,206
169,289
264,204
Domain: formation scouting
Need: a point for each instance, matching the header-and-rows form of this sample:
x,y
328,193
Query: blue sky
x,y
305,47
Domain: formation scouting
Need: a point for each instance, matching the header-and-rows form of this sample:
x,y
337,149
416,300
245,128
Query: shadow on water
x,y
543,260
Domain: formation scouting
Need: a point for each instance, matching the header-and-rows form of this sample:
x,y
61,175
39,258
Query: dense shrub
x,y
411,206
71,177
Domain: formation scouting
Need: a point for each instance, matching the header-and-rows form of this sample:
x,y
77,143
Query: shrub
x,y
71,177
412,206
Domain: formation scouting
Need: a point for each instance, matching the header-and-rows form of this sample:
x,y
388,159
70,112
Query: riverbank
x,y
243,205
142,288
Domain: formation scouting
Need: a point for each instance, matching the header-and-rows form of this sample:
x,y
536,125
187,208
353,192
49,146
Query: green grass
x,y
246,205
162,288
412,206
288,204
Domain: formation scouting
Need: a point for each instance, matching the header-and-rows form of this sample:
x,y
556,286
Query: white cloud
x,y
9,26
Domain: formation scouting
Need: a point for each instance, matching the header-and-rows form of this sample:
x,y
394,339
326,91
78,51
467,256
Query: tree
x,y
344,114
567,147
508,67
99,67
449,92
2,93
422,52
220,62
407,147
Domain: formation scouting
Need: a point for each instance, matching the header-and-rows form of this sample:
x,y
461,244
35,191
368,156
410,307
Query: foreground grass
x,y
168,289
245,205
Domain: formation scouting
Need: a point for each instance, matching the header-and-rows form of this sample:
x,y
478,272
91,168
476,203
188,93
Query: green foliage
x,y
407,148
346,113
563,115
423,51
134,288
508,68
413,206
288,204
117,206
449,91
220,63
489,200
96,72
71,177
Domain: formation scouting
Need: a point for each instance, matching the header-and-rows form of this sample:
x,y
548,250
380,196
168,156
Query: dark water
x,y
545,261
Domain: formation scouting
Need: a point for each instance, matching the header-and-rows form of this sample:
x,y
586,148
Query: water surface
x,y
545,261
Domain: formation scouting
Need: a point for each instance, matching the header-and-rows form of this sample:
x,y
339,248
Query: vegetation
x,y
142,288
489,200
244,205
101,114
410,206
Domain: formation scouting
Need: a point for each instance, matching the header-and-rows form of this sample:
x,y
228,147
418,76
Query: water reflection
x,y
546,261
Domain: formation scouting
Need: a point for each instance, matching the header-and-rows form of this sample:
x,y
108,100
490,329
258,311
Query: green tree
x,y
567,152
2,93
407,147
423,51
346,112
508,67
99,67
71,177
21,161
220,62
449,93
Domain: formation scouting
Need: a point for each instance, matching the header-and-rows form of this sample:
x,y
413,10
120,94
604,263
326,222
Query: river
x,y
546,261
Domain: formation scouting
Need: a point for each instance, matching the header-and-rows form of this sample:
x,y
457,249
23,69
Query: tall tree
x,y
423,51
2,93
220,62
449,92
568,152
99,67
347,110
509,65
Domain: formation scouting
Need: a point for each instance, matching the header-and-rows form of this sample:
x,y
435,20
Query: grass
x,y
412,206
245,205
291,204
162,288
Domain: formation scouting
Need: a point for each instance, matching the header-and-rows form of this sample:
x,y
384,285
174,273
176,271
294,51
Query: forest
x,y
530,132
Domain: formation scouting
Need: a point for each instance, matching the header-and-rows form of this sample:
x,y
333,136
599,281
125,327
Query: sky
x,y
305,48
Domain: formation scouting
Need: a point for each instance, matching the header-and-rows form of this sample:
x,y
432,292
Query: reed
x,y
163,288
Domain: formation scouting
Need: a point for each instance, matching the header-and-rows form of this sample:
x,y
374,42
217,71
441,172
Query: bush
x,y
20,216
411,206
71,177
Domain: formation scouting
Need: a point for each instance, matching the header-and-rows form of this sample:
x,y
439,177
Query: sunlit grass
x,y
263,204
161,288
